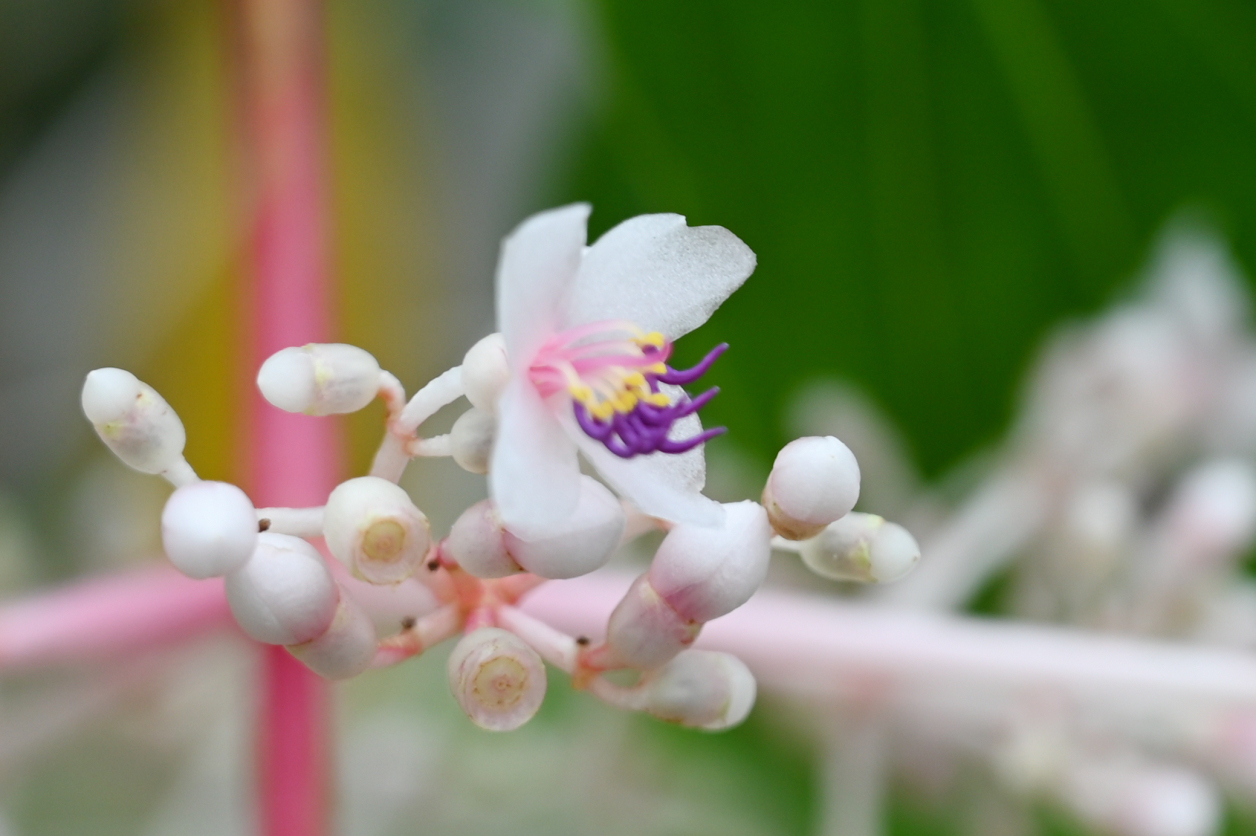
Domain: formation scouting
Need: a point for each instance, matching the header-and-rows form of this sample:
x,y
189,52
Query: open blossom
x,y
588,332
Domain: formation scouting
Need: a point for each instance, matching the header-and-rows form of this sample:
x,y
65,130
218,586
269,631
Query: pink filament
x,y
565,351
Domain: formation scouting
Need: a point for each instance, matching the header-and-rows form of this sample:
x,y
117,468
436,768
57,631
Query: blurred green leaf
x,y
929,186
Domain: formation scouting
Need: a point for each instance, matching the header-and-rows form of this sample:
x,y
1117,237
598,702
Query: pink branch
x,y
822,649
294,461
109,617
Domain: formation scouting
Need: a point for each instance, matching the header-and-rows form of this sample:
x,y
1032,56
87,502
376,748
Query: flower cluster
x,y
580,366
1123,508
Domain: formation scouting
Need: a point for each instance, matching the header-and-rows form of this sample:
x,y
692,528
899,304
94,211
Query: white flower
x,y
587,332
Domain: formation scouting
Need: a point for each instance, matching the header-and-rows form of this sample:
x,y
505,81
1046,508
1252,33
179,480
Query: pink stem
x,y
109,617
294,460
822,649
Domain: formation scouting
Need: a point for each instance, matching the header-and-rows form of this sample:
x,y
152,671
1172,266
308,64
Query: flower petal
x,y
538,262
659,273
661,484
534,477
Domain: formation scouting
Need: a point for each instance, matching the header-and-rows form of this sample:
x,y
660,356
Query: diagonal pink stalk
x,y
820,648
294,460
109,617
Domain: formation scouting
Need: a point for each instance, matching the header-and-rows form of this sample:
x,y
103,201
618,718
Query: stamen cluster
x,y
613,372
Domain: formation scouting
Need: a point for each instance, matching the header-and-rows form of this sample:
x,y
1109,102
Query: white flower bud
x,y
346,648
284,594
472,440
702,689
477,543
391,607
485,372
1213,510
133,420
707,572
862,547
373,528
814,482
1134,799
497,679
588,539
209,529
320,379
644,632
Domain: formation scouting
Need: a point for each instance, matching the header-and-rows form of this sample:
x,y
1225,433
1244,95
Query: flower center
x,y
613,370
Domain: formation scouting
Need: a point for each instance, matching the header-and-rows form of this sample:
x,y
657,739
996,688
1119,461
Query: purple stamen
x,y
683,377
591,426
644,429
688,444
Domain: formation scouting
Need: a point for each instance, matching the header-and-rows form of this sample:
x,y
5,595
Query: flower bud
x,y
814,482
209,529
472,440
644,632
391,607
133,420
588,539
485,372
702,689
346,648
862,547
497,679
1135,799
1213,510
373,528
320,379
284,594
477,543
707,572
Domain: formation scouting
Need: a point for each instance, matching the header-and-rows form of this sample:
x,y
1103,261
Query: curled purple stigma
x,y
644,429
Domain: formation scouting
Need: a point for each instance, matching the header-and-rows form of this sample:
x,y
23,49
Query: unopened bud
x,y
391,607
477,543
472,440
485,372
644,631
133,420
1214,508
320,379
346,648
373,528
209,529
814,482
1142,799
702,689
587,540
284,593
707,572
862,547
497,679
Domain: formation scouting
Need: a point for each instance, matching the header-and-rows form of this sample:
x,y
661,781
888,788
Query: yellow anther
x,y
658,399
653,338
634,380
657,368
601,411
625,402
581,392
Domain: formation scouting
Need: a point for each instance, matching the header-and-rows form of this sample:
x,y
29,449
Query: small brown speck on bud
x,y
433,565
583,641
263,525
408,623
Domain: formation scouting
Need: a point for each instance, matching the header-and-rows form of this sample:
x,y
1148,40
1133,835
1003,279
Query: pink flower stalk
x,y
293,460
